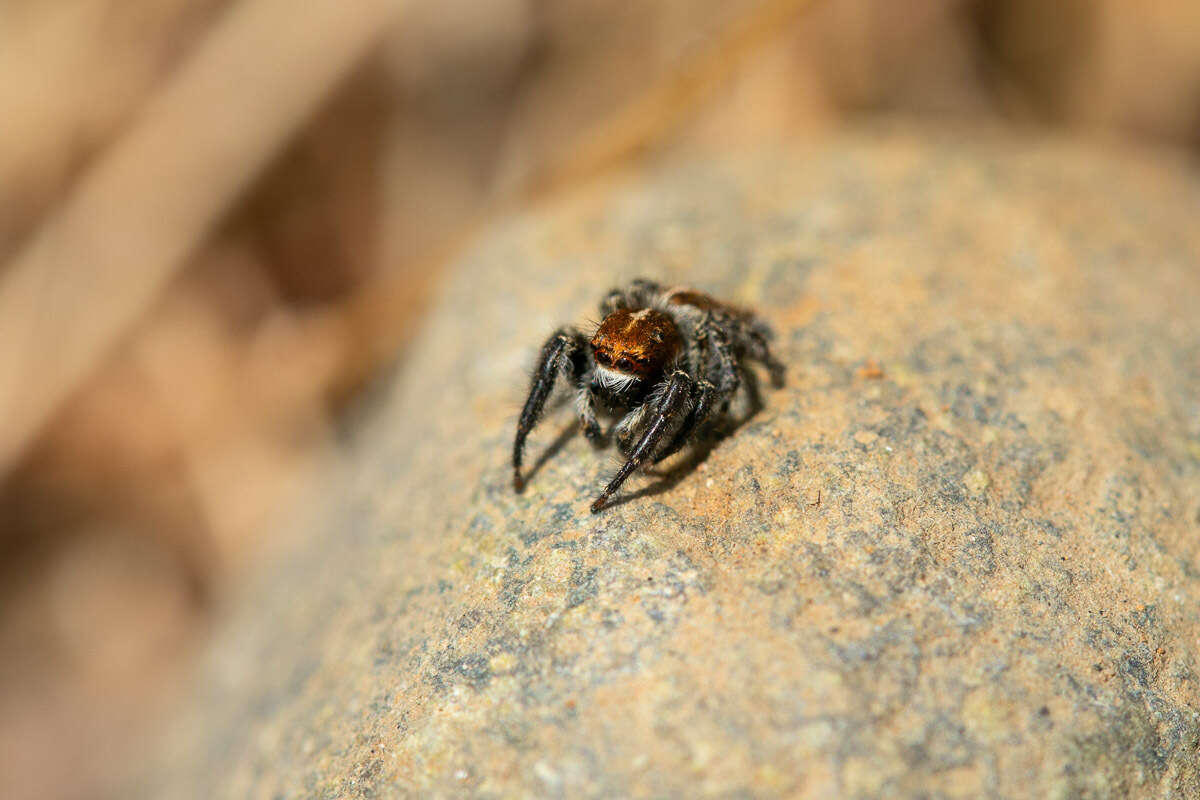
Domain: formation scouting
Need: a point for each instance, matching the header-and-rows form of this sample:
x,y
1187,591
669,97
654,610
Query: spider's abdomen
x,y
639,343
682,296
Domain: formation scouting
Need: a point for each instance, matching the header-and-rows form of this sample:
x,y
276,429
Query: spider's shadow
x,y
703,445
554,448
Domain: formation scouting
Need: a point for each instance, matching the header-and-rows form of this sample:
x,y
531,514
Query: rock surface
x,y
957,556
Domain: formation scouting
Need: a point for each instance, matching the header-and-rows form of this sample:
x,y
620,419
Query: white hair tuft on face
x,y
613,380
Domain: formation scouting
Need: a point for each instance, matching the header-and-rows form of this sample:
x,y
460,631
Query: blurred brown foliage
x,y
151,488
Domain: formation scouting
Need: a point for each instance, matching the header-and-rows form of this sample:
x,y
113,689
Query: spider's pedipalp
x,y
585,408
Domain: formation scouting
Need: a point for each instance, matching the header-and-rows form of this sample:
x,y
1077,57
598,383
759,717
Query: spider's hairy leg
x,y
724,366
706,395
585,407
615,300
717,364
638,294
674,402
643,288
754,338
557,353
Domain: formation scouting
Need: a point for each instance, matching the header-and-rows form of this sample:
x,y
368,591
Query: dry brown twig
x,y
100,259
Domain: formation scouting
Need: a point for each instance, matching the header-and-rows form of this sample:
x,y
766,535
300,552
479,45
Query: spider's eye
x,y
624,363
602,358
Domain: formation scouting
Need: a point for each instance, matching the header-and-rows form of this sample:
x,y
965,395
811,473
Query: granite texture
x,y
958,555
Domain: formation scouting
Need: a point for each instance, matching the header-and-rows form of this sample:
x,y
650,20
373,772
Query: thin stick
x,y
661,109
93,269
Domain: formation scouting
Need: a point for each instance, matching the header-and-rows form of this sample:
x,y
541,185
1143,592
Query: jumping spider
x,y
666,361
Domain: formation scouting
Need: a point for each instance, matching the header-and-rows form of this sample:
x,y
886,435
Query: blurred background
x,y
220,219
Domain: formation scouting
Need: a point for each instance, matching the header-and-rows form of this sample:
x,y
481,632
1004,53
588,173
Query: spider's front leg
x,y
674,402
717,363
562,350
702,409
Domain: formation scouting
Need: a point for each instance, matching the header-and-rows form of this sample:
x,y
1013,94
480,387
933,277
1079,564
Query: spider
x,y
665,362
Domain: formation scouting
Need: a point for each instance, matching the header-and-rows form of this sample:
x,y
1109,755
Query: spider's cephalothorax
x,y
664,362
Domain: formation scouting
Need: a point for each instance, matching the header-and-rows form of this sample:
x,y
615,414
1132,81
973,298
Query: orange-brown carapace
x,y
639,343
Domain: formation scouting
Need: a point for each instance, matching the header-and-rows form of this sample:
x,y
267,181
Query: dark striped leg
x,y
718,365
724,368
755,340
673,402
614,300
706,395
637,295
556,355
585,409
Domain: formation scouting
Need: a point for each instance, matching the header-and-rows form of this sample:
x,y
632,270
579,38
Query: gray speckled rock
x,y
957,556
